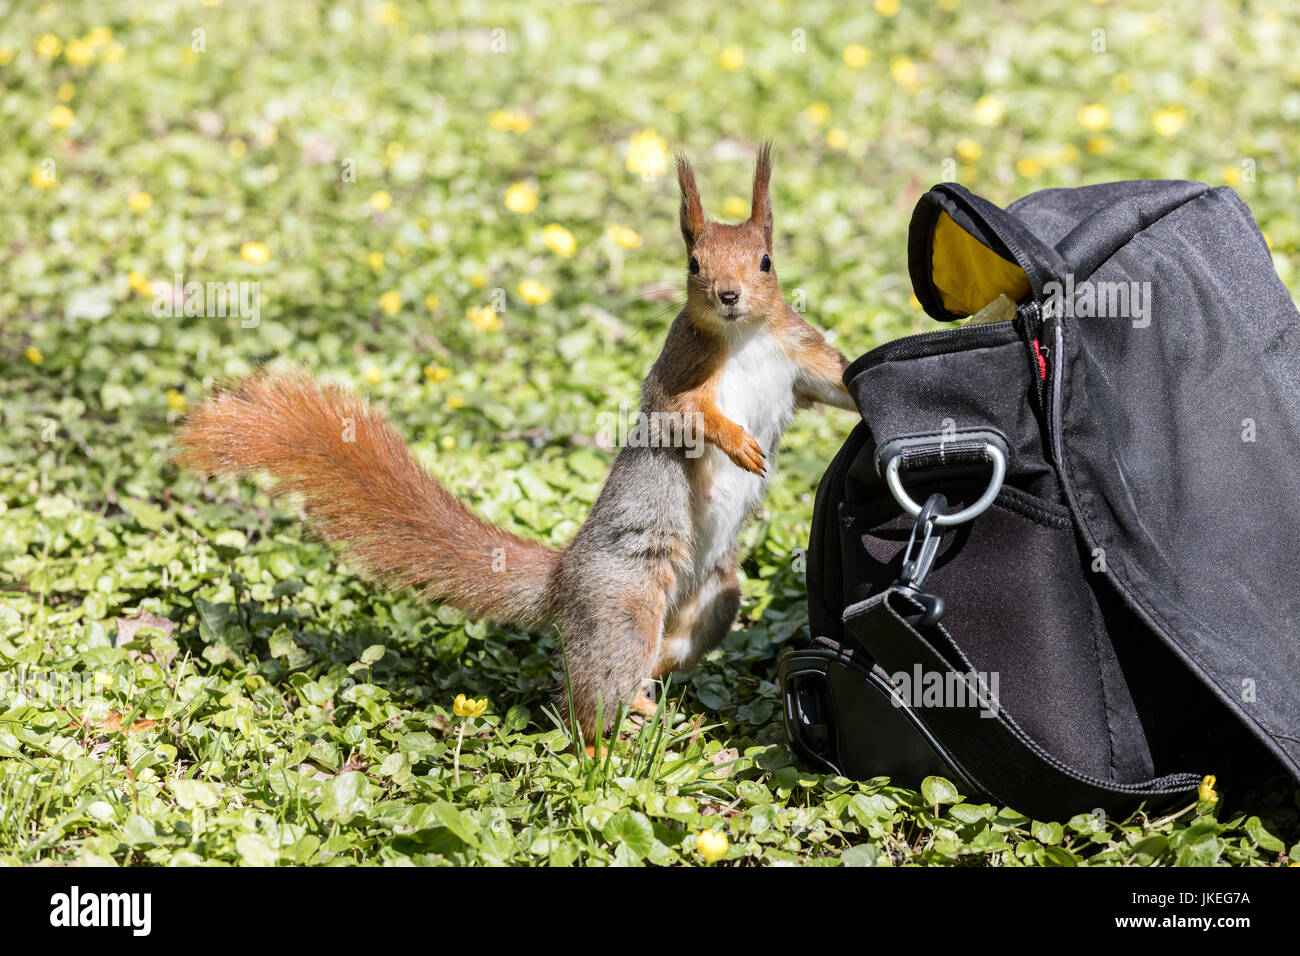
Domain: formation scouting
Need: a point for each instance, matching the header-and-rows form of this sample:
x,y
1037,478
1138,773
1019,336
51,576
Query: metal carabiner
x,y
915,568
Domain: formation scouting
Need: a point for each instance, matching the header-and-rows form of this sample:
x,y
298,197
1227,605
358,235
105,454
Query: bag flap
x,y
1176,428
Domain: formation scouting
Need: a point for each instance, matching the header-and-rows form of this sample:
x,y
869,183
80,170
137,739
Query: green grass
x,y
295,715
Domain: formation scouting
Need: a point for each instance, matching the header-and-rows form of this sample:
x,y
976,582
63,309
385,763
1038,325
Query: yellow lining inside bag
x,y
968,274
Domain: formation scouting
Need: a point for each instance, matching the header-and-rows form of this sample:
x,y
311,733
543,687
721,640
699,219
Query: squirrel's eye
x,y
694,266
766,264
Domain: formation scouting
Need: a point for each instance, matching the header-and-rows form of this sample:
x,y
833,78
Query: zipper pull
x,y
1043,354
1032,326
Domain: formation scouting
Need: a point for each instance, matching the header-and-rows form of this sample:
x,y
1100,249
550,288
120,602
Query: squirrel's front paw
x,y
746,452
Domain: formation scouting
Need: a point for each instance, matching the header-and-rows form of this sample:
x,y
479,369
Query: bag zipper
x,y
1032,324
931,343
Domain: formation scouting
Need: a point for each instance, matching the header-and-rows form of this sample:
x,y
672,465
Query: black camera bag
x,y
1123,617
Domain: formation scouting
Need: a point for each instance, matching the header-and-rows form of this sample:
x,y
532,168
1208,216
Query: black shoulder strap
x,y
982,740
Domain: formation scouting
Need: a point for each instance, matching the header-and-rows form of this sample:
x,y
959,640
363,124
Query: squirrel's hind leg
x,y
608,655
699,624
643,703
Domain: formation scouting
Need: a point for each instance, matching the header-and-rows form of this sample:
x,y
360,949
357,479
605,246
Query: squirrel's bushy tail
x,y
360,487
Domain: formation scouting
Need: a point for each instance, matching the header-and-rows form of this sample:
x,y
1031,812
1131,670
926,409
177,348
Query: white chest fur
x,y
756,392
757,388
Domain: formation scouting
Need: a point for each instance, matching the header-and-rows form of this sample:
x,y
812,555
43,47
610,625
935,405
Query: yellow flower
x,y
448,442
390,302
818,112
7,55
1028,167
533,292
1231,176
903,70
1267,241
394,152
255,253
1094,116
41,178
516,121
887,8
836,138
913,301
732,58
969,150
521,199
1098,145
437,373
989,110
388,14
140,202
1205,792
114,52
34,355
103,678
236,148
454,402
1121,83
647,154
99,36
376,261
483,317
712,844
559,240
1169,120
66,91
624,237
176,401
139,283
949,5
79,52
431,302
468,706
49,46
734,207
478,280
61,117
856,55
381,200
373,375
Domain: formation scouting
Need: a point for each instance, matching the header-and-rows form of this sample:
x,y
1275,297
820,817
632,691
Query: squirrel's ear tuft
x,y
692,215
762,204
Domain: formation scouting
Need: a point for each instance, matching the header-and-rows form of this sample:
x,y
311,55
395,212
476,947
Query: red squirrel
x,y
648,584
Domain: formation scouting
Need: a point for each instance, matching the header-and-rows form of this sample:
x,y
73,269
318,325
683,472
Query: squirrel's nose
x,y
729,297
